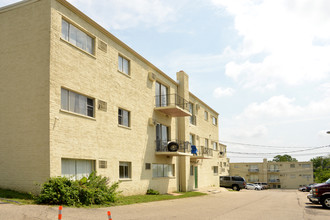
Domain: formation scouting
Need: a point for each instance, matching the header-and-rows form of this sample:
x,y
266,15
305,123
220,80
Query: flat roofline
x,y
106,33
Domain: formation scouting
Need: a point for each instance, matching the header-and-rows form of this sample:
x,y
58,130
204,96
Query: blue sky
x,y
263,65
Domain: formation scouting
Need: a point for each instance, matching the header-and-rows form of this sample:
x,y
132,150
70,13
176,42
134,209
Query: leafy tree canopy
x,y
321,162
284,158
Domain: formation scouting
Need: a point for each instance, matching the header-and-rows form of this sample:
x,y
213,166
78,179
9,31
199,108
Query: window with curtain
x,y
162,170
77,103
77,169
161,95
77,37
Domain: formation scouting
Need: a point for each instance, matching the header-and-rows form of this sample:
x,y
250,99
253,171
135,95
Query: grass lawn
x,y
10,196
126,200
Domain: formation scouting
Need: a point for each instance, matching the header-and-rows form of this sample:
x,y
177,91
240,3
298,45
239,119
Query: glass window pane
x,y
64,99
163,93
73,34
89,46
120,63
154,170
125,66
82,103
160,170
157,88
65,30
125,116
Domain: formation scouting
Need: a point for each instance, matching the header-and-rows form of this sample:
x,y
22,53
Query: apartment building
x,y
76,99
285,175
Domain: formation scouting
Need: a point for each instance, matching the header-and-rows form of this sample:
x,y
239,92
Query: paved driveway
x,y
266,204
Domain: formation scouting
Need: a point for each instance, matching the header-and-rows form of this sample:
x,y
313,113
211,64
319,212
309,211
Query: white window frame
x,y
162,170
124,65
76,169
124,117
77,103
125,170
77,37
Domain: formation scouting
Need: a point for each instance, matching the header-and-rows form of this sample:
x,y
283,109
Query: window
x,y
214,120
206,142
124,170
148,166
307,176
192,139
206,115
77,103
123,117
215,170
77,169
215,146
161,95
192,117
162,137
77,37
292,176
162,170
191,170
123,65
292,165
306,166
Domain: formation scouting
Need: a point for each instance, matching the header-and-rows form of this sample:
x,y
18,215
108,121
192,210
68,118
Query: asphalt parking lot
x,y
245,204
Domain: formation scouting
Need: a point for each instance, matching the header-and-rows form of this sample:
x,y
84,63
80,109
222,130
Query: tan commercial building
x,y
75,99
285,175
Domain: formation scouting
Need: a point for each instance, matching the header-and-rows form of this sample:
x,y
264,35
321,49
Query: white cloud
x,y
281,109
117,14
221,92
291,36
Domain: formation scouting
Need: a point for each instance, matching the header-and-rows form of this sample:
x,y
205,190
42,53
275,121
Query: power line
x,y
287,152
259,145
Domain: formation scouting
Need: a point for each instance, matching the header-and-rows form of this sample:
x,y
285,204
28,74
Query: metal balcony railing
x,y
172,99
162,146
204,151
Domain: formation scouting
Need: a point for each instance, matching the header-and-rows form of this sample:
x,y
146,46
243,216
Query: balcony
x,y
172,105
163,148
254,170
273,170
203,153
274,180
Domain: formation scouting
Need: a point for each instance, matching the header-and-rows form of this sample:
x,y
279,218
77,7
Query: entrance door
x,y
196,177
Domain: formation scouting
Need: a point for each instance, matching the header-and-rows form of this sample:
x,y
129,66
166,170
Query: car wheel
x,y
236,188
325,202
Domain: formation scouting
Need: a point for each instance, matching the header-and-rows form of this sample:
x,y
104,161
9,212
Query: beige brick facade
x,y
38,135
285,175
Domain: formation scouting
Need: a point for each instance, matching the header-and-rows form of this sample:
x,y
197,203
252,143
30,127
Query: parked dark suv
x,y
320,193
234,182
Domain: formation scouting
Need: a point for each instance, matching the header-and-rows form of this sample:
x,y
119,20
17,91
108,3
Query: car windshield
x,y
328,181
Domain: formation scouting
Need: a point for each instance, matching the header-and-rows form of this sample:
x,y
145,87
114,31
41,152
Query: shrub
x,y
152,192
87,191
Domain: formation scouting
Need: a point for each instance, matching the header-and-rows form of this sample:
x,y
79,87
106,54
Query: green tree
x,y
284,158
321,162
321,166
